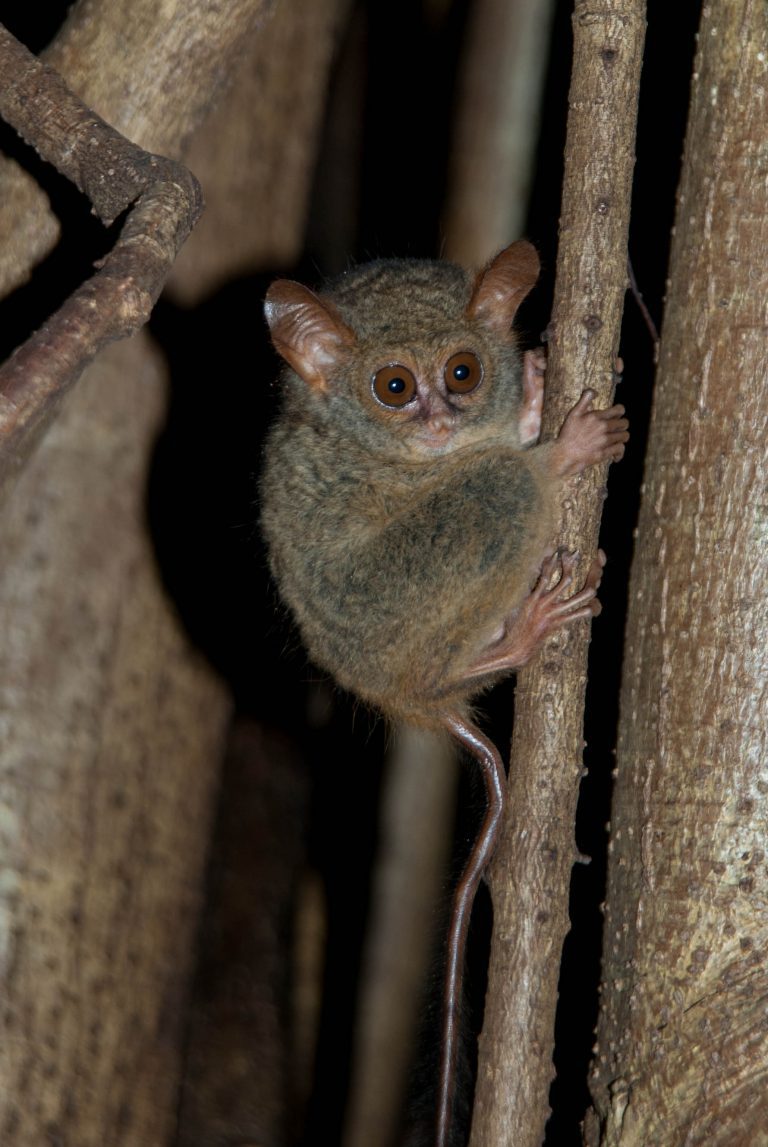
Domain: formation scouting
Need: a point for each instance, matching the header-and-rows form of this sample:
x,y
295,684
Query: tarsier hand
x,y
590,436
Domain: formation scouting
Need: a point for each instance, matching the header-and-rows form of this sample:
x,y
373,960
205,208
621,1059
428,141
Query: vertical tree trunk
x,y
417,813
530,874
683,1045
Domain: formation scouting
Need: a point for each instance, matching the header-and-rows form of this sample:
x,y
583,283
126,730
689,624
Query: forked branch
x,y
163,202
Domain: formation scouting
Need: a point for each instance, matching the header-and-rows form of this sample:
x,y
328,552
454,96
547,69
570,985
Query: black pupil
x,y
460,373
396,385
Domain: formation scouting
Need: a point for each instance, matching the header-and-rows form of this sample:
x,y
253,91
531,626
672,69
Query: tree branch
x,y
530,874
164,200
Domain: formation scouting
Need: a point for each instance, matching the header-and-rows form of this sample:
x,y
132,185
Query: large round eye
x,y
394,385
463,372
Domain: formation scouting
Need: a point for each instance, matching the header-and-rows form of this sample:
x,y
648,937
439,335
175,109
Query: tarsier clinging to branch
x,y
408,512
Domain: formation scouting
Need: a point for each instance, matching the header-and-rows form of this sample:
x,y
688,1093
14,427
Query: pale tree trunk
x,y
416,818
111,734
529,876
683,1044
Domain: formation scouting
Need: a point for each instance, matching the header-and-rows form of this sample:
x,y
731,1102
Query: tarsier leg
x,y
486,755
543,611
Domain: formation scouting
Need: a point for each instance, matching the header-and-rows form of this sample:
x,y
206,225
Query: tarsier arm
x,y
586,438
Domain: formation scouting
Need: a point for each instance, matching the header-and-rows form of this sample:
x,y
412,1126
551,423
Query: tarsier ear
x,y
502,286
307,332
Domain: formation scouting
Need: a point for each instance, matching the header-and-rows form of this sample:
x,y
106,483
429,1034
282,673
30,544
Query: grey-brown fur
x,y
399,567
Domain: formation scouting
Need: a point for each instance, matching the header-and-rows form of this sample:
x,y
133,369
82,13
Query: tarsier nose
x,y
440,424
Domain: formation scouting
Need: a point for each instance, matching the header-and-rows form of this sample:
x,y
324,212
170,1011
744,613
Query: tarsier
x,y
409,514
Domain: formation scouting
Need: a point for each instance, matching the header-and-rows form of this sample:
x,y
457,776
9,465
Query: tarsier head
x,y
427,354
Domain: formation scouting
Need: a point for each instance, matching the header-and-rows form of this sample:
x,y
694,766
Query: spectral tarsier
x,y
408,513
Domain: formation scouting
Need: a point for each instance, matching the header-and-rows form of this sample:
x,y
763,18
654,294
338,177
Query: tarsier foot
x,y
590,436
545,610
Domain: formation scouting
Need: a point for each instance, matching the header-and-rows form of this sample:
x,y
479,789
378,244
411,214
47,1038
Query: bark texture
x,y
683,1043
110,734
530,875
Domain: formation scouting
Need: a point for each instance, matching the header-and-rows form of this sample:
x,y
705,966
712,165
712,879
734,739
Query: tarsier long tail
x,y
487,757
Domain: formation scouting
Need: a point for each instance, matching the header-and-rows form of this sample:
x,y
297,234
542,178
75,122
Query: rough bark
x,y
530,875
683,1045
110,735
496,127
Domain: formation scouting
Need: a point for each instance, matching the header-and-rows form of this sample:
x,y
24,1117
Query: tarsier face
x,y
426,354
428,402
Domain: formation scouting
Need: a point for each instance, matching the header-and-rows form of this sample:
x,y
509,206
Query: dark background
x,y
382,194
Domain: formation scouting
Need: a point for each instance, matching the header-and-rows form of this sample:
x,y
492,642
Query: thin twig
x,y
643,309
